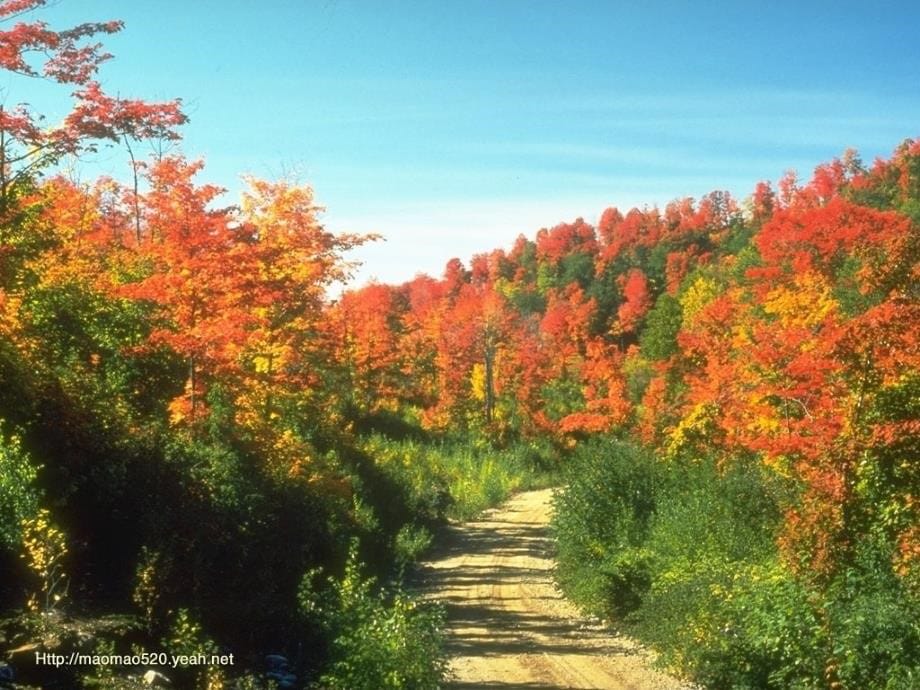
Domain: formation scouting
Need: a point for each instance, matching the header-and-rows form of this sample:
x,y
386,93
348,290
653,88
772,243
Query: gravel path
x,y
509,627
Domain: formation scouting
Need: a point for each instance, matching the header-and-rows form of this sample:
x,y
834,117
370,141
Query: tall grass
x,y
460,477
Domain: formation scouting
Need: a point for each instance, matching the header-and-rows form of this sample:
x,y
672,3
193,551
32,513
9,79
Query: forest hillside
x,y
201,452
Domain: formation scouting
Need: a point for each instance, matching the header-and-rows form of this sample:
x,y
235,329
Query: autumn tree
x,y
65,57
368,331
636,301
39,226
565,255
129,121
191,276
289,260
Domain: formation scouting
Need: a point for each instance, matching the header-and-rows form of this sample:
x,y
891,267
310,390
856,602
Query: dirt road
x,y
509,626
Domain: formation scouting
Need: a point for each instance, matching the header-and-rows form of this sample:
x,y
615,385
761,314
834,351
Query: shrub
x,y
601,521
685,554
19,495
410,542
873,622
765,629
187,637
44,549
377,642
709,527
746,626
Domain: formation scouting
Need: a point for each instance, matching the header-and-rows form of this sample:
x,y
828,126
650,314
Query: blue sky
x,y
452,127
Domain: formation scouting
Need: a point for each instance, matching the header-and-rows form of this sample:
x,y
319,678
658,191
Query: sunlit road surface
x,y
509,627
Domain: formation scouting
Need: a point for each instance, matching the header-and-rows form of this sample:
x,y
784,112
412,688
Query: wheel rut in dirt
x,y
508,625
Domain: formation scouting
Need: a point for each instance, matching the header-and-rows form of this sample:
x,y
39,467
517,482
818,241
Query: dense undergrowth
x,y
683,556
183,541
207,555
462,476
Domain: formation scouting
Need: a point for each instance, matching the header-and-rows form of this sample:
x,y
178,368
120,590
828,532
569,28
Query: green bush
x,y
874,622
710,527
766,629
19,495
410,542
744,626
600,522
685,555
377,642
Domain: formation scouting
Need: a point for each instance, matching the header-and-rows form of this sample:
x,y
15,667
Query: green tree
x,y
659,338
